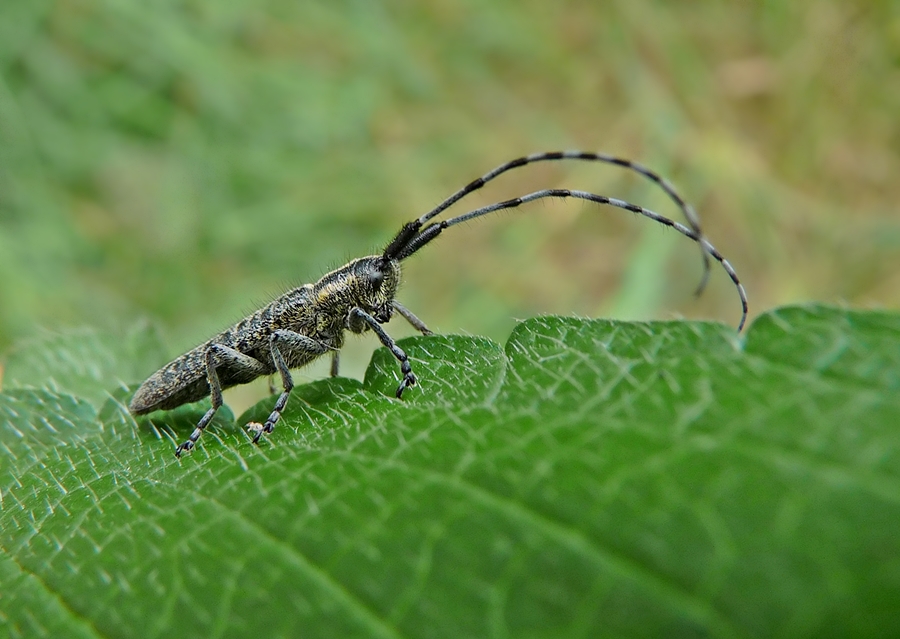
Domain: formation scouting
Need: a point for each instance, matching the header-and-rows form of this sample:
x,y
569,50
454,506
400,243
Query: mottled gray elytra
x,y
308,322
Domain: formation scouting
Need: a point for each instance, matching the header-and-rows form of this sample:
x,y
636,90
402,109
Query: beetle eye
x,y
376,278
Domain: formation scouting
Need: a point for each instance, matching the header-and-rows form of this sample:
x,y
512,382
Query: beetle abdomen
x,y
180,381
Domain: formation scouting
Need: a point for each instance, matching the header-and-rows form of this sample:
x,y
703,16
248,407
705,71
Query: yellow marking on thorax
x,y
331,291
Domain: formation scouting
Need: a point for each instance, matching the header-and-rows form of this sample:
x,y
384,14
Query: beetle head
x,y
377,278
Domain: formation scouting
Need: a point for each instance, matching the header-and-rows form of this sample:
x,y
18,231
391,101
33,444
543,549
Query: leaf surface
x,y
591,478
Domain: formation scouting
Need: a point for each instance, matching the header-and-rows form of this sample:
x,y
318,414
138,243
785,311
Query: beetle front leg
x,y
409,379
410,317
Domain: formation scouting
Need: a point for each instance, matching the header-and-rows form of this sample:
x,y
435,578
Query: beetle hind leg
x,y
238,364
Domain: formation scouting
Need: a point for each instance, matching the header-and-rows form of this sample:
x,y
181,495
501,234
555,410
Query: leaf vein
x,y
57,596
573,539
370,619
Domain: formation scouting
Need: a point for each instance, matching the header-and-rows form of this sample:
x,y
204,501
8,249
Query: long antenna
x,y
687,210
413,237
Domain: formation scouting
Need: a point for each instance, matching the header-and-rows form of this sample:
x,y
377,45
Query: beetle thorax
x,y
369,283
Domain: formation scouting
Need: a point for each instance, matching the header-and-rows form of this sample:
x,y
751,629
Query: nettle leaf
x,y
592,478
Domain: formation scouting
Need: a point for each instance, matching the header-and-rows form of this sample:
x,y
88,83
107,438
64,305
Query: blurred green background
x,y
185,161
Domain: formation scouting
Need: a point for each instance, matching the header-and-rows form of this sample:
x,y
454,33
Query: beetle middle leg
x,y
335,363
219,356
283,342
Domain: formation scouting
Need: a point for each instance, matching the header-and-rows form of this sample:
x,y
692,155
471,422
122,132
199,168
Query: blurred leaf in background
x,y
185,161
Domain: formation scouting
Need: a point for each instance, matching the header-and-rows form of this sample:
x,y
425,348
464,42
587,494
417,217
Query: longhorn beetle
x,y
309,321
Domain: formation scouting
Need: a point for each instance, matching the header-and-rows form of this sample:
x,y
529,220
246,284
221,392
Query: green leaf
x,y
592,478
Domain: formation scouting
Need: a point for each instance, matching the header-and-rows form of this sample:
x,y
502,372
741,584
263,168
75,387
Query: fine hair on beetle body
x,y
310,321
